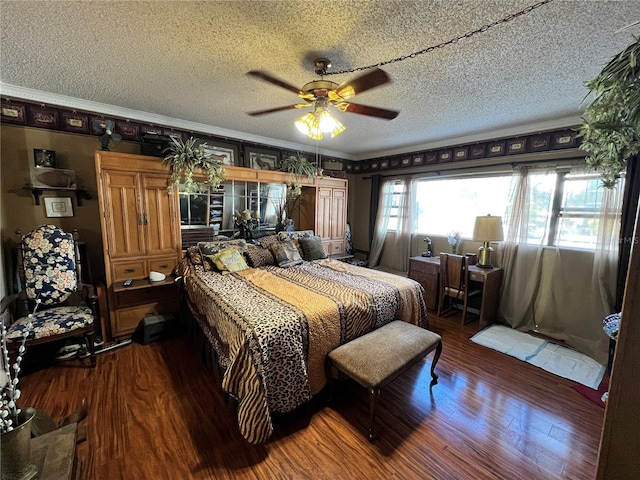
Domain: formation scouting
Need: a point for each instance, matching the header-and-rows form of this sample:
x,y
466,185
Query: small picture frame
x,y
260,159
460,153
75,122
44,158
516,145
226,153
58,207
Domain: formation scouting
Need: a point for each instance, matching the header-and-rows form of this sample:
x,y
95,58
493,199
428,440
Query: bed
x,y
271,327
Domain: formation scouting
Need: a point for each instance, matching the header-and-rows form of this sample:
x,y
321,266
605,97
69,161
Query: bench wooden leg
x,y
436,357
374,393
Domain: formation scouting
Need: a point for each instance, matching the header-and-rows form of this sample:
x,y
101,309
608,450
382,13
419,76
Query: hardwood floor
x,y
156,412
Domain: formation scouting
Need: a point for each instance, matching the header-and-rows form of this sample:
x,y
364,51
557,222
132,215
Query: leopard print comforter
x,y
272,327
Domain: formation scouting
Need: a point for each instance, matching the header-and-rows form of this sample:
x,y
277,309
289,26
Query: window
x,y
398,190
563,206
446,205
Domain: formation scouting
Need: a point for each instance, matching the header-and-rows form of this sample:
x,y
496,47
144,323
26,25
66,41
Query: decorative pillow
x,y
268,240
312,248
193,254
285,236
286,254
211,248
229,260
259,256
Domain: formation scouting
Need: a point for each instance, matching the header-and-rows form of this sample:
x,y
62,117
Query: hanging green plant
x,y
298,166
610,128
183,158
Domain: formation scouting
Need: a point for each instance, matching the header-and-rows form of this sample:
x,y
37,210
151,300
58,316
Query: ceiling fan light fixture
x,y
308,124
329,124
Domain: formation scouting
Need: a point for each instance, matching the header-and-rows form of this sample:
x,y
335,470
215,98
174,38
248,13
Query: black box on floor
x,y
156,327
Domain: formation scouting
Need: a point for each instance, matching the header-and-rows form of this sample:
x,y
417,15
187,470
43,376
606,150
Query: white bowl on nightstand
x,y
156,276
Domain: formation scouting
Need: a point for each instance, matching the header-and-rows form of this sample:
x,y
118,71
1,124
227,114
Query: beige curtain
x,y
402,243
559,292
382,222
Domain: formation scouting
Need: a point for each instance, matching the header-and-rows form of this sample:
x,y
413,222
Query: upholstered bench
x,y
376,358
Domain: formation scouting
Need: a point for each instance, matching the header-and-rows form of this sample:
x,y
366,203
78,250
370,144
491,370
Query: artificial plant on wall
x,y
184,157
610,128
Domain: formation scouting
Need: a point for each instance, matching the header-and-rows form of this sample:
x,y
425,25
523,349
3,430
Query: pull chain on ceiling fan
x,y
322,94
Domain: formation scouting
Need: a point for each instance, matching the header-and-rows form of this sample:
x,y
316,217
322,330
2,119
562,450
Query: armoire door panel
x,y
323,213
338,220
124,232
159,217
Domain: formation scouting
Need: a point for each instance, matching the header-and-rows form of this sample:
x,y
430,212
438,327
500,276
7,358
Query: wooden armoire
x,y
140,233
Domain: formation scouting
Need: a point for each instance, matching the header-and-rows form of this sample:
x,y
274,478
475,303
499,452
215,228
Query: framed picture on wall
x,y
58,207
261,159
44,158
226,153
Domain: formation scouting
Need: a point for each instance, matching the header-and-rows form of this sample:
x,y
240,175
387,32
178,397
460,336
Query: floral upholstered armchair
x,y
53,303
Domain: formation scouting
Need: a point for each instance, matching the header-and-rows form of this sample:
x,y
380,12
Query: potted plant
x,y
610,127
184,157
298,166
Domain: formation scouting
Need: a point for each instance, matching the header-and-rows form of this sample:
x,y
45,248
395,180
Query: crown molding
x,y
54,99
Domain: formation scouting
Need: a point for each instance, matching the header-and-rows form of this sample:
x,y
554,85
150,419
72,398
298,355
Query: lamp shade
x,y
488,229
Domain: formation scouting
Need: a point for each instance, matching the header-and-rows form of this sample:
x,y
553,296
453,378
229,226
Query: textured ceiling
x,y
186,61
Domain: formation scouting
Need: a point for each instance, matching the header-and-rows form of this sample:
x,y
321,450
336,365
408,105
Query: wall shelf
x,y
81,193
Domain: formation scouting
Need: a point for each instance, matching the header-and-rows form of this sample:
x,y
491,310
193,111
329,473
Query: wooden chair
x,y
454,283
49,269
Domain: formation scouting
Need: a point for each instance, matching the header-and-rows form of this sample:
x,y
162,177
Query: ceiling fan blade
x,y
276,81
366,110
369,80
116,137
272,110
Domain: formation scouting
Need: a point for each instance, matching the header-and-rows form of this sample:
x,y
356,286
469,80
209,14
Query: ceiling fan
x,y
322,94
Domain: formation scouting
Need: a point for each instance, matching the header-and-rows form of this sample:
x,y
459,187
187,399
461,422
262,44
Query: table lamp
x,y
487,229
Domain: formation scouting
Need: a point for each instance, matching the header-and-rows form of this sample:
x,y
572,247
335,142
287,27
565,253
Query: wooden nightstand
x,y
425,270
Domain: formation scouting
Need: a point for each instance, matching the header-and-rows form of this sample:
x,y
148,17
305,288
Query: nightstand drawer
x,y
122,271
165,265
138,296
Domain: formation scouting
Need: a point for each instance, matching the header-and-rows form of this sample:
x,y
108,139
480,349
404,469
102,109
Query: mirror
x,y
216,208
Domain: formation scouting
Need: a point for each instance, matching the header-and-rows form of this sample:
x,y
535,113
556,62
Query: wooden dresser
x,y
140,233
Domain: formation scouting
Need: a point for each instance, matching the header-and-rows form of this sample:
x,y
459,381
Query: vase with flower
x,y
454,239
15,423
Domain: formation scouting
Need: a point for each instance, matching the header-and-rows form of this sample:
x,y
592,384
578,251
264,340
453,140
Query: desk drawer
x,y
424,267
476,276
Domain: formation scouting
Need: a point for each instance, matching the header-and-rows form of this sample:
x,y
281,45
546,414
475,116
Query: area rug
x,y
559,360
594,395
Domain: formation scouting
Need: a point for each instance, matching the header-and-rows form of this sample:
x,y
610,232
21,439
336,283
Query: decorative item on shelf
x,y
487,229
44,158
429,251
53,178
611,123
245,223
15,423
298,166
454,238
184,157
290,227
105,129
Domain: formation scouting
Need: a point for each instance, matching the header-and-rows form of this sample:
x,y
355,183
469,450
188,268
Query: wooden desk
x,y
426,271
